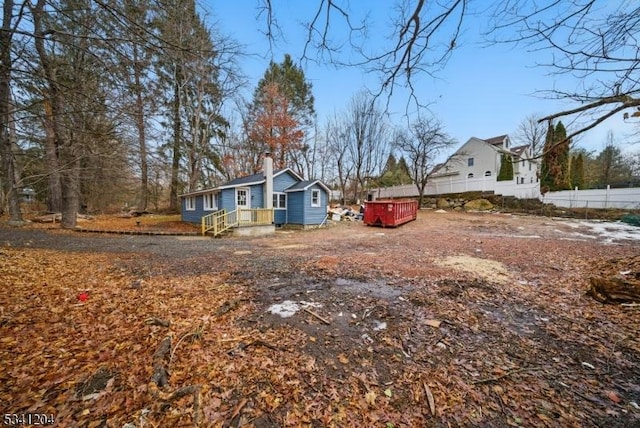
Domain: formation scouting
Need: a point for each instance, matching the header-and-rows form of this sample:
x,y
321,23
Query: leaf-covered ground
x,y
451,320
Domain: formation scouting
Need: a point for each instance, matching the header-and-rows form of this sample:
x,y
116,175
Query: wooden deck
x,y
220,221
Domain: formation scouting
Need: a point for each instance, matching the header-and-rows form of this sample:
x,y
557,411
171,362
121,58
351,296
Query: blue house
x,y
273,198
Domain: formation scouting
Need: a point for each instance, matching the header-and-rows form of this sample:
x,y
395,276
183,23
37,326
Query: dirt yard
x,y
453,320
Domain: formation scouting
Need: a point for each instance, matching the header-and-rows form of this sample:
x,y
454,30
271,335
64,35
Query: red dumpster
x,y
390,213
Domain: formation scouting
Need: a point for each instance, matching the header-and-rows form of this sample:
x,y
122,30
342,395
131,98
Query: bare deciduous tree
x,y
6,145
335,132
593,40
531,132
367,140
421,146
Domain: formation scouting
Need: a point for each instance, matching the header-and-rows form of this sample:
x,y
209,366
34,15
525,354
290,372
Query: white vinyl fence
x,y
627,198
443,186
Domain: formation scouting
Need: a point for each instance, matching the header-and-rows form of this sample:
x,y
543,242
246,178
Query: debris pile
x,y
345,213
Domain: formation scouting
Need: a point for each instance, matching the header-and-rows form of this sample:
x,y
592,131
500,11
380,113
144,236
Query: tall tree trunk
x,y
69,161
70,192
143,197
177,137
6,152
54,201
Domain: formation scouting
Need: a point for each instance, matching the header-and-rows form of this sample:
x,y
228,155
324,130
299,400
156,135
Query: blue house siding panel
x,y
228,200
295,207
283,181
280,216
257,196
315,215
195,215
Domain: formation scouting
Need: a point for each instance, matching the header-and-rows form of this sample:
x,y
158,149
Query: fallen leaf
x,y
433,323
388,392
370,398
430,399
613,397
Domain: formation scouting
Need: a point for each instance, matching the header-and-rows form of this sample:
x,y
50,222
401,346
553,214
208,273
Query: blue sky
x,y
482,92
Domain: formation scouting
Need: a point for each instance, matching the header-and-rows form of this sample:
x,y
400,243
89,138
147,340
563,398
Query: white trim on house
x,y
315,194
190,203
279,201
246,191
313,183
209,202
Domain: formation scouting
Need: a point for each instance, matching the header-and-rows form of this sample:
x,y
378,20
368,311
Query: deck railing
x,y
222,220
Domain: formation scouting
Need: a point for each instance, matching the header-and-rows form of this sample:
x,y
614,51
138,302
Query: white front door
x,y
243,201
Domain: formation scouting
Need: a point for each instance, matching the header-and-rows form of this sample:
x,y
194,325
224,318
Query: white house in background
x,y
481,159
474,167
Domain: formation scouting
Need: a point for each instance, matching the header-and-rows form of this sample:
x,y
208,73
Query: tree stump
x,y
618,281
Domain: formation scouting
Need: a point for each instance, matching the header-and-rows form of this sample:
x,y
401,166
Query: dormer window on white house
x,y
470,162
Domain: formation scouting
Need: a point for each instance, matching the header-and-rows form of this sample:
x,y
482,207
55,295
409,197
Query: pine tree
x,y
506,168
274,127
562,180
546,179
577,171
555,160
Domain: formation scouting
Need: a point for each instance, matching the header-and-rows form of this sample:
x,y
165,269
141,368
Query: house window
x,y
315,198
529,166
487,173
209,201
470,162
190,203
522,162
241,198
280,201
470,175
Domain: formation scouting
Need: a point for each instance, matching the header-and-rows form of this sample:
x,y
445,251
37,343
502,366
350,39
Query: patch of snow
x,y
289,308
285,309
380,326
610,231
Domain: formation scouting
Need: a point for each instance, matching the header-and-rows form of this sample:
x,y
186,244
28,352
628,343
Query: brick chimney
x,y
268,180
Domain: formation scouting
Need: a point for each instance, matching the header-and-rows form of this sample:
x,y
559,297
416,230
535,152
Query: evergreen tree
x,y
577,171
506,168
403,171
293,85
562,180
554,171
611,166
391,164
295,92
546,179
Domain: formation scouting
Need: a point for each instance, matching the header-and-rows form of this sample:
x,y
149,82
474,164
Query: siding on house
x,y
315,215
192,216
280,217
228,199
300,209
295,210
283,181
487,156
196,215
299,194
